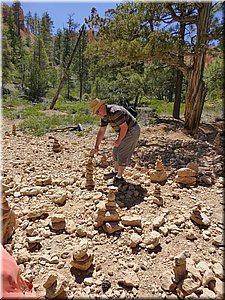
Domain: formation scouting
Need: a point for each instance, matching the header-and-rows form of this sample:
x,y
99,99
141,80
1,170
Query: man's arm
x,y
100,135
123,132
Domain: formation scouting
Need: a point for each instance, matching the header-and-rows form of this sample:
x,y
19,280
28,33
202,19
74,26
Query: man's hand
x,y
117,143
94,151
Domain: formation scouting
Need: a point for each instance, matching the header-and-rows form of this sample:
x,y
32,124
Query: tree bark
x,y
196,90
66,70
179,79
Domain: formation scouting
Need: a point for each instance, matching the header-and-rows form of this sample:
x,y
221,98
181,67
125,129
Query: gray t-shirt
x,y
117,115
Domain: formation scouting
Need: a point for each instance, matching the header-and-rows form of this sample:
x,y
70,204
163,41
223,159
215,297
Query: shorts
x,y
123,153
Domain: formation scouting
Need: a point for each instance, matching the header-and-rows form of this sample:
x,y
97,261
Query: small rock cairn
x,y
107,215
14,129
187,176
157,199
188,279
159,174
90,184
198,216
103,161
55,286
82,257
56,146
8,218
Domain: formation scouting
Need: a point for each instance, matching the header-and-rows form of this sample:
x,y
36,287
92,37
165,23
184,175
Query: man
x,y
128,133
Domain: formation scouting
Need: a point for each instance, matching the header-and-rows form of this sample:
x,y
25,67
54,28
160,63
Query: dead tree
x,y
64,76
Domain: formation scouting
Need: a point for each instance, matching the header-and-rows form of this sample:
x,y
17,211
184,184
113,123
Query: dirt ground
x,y
130,271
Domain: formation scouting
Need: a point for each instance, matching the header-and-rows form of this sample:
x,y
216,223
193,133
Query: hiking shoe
x,y
109,175
115,181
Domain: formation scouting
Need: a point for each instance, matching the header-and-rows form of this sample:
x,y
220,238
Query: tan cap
x,y
96,104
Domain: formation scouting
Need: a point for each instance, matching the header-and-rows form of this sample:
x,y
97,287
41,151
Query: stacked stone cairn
x,y
55,286
159,174
157,199
14,129
8,218
90,184
198,217
103,161
82,257
188,279
187,176
107,215
56,146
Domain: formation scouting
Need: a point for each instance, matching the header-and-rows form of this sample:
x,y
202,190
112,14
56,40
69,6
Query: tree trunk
x,y
66,70
196,90
179,78
178,91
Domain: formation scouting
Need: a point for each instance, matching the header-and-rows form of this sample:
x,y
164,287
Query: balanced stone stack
x,y
82,257
55,286
56,146
14,129
103,161
157,199
90,184
107,215
58,222
190,279
159,174
187,175
8,220
198,216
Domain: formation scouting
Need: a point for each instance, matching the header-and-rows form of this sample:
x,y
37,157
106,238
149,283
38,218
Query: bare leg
x,y
120,170
116,166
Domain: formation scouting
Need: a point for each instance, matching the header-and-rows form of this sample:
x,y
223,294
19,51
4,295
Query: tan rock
x,y
135,239
131,220
55,285
111,227
185,180
219,288
8,220
166,281
193,166
180,268
83,264
152,239
207,277
207,294
157,176
218,270
186,172
188,286
111,215
130,280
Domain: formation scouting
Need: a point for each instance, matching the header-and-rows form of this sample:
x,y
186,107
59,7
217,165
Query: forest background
x,y
161,58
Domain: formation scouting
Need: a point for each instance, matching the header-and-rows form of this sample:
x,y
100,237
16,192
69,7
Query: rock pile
x,y
8,220
14,129
56,146
82,257
191,280
103,161
198,216
55,286
157,199
187,175
159,174
107,215
90,184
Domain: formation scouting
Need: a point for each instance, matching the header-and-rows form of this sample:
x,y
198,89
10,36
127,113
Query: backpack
x,y
132,111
